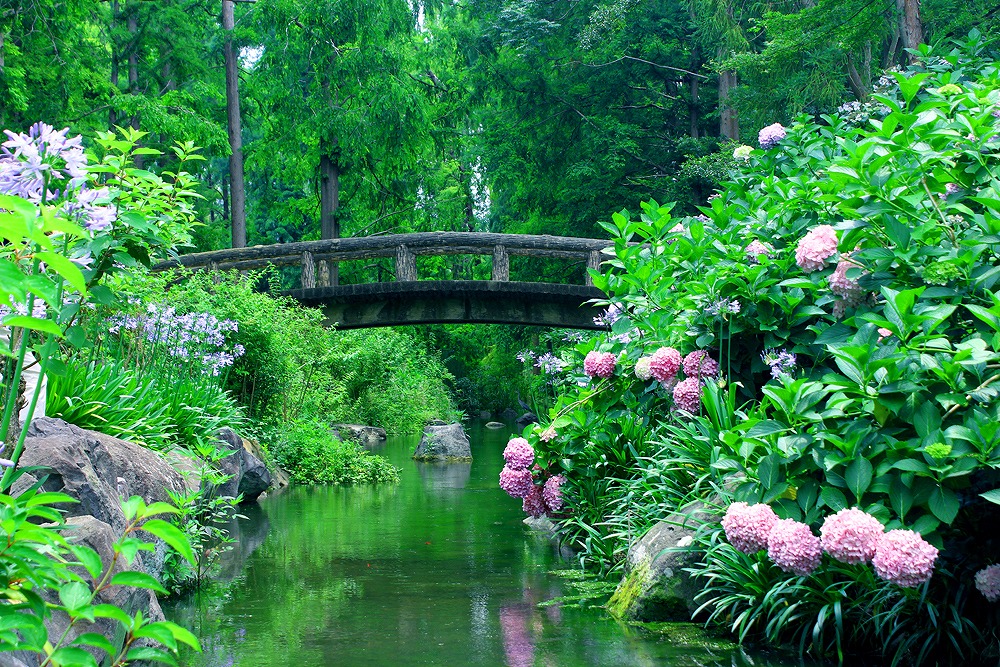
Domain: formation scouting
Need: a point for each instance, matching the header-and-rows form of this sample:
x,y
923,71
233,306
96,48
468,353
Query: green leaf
x,y
859,477
137,580
33,323
159,508
90,559
71,655
68,270
111,611
150,653
75,595
927,419
182,634
833,498
96,640
172,535
992,496
769,470
944,504
102,295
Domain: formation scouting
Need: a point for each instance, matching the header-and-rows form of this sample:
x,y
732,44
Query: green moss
x,y
685,634
631,587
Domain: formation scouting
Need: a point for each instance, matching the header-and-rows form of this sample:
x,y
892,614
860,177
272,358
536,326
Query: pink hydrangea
x,y
518,454
533,503
815,247
643,368
850,535
905,558
747,526
552,492
599,364
771,136
548,435
793,547
843,286
756,249
687,394
665,363
517,483
883,333
988,582
698,364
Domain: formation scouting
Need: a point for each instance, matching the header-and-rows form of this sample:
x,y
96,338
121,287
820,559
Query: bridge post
x,y
593,262
324,276
308,271
406,264
501,264
213,268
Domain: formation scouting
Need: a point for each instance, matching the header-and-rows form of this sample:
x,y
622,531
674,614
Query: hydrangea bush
x,y
839,301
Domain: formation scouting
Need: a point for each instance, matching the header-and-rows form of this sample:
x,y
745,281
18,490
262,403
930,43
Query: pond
x,y
438,570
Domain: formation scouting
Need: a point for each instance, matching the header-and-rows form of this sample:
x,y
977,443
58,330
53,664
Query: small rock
x,y
495,425
525,419
485,414
363,435
444,443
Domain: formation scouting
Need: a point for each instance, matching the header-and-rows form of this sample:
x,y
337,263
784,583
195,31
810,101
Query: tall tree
x,y
237,190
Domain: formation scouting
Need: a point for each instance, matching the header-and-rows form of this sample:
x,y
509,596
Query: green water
x,y
439,570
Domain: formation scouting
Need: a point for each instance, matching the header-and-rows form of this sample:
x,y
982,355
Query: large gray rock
x,y
655,586
445,443
247,473
367,436
97,469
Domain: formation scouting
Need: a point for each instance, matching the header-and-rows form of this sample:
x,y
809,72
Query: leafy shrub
x,y
312,455
845,282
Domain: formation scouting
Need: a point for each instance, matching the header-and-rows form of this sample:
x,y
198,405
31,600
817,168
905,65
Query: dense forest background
x,y
322,118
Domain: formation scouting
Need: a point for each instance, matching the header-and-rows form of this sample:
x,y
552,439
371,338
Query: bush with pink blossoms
x,y
517,483
747,526
771,136
988,582
816,247
518,454
792,546
905,558
687,394
851,535
664,364
600,364
846,288
755,249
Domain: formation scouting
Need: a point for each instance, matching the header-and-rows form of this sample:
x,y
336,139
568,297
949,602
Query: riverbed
x,y
437,570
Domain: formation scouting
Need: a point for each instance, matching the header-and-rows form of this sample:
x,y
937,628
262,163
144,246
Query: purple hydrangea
x,y
698,364
519,454
771,136
517,483
552,493
533,503
780,361
687,394
988,582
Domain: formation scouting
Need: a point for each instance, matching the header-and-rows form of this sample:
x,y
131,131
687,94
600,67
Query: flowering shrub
x,y
747,526
857,350
599,364
988,582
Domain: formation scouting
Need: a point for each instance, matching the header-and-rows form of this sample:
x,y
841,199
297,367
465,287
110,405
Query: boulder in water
x,y
248,474
366,436
495,425
444,443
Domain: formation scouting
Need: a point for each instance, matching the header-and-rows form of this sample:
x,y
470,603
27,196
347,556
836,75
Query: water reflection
x,y
438,570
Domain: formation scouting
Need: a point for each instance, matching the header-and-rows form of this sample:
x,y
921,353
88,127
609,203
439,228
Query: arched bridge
x,y
408,300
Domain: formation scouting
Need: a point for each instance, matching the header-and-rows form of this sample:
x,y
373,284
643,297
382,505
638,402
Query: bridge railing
x,y
319,259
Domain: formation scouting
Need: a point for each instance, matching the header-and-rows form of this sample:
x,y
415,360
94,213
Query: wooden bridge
x,y
408,300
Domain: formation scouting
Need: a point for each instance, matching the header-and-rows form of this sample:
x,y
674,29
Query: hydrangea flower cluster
x,y
793,547
747,526
771,136
197,339
518,454
517,483
816,247
664,364
904,558
533,503
643,368
851,535
687,394
552,493
698,364
755,249
613,313
599,364
988,582
742,152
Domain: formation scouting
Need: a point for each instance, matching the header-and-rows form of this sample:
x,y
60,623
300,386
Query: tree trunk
x,y
889,51
329,201
1,52
861,82
693,83
133,59
729,125
112,115
910,27
237,188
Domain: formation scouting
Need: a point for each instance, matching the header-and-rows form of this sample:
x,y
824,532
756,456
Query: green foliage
x,y
312,455
38,558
